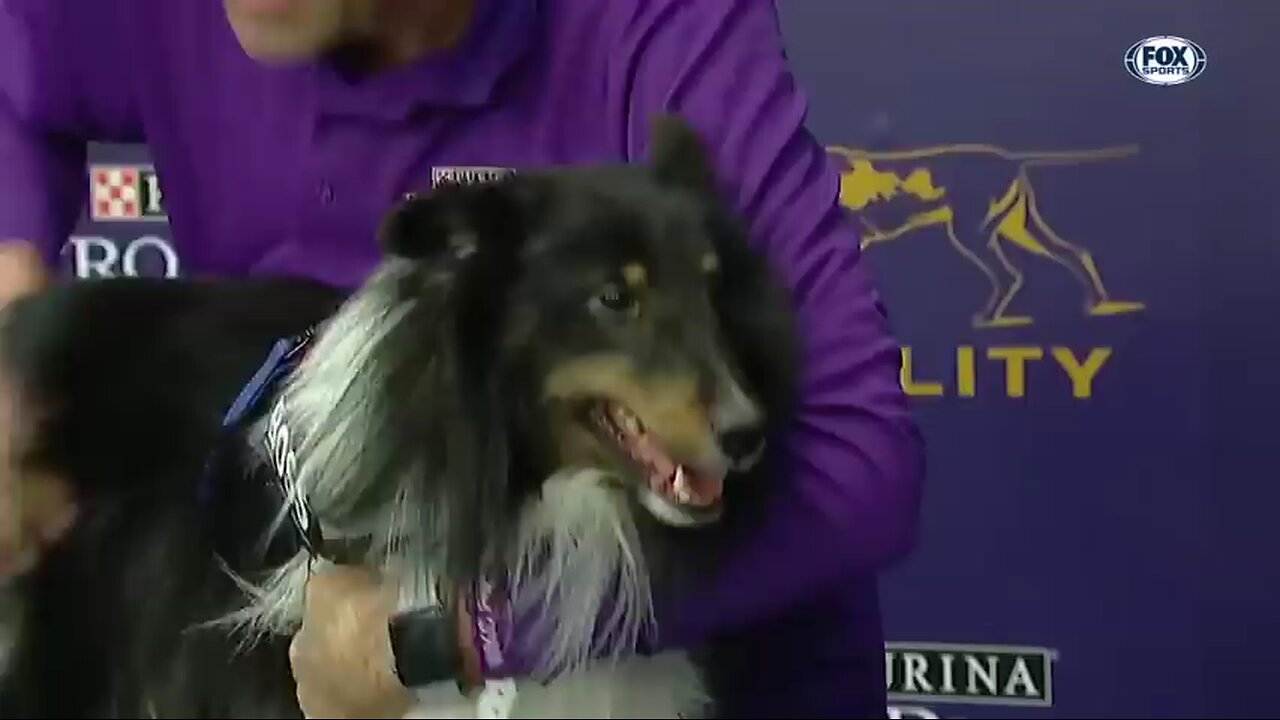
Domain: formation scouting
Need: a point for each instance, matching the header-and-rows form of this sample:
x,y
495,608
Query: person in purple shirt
x,y
283,130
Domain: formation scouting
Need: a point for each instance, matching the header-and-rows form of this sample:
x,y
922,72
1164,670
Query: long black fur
x,y
131,378
127,381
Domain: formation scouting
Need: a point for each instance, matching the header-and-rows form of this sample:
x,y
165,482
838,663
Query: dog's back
x,y
127,379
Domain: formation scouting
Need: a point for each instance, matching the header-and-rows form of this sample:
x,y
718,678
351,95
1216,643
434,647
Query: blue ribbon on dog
x,y
284,356
280,361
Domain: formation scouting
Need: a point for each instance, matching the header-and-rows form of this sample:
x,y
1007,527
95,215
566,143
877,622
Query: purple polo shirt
x,y
270,169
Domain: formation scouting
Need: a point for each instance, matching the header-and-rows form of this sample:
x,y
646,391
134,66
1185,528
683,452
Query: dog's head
x,y
620,315
611,318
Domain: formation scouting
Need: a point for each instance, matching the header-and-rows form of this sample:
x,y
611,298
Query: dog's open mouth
x,y
684,490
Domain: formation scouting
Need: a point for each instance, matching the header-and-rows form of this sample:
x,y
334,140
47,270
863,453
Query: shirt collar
x,y
463,76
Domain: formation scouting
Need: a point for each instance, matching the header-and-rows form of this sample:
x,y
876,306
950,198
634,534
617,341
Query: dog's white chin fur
x,y
582,534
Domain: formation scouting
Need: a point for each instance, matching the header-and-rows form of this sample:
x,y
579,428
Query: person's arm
x,y
854,461
853,465
64,79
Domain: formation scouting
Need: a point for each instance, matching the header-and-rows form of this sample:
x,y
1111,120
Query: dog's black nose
x,y
742,445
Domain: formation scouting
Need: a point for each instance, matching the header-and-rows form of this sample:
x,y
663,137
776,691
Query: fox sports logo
x,y
1165,60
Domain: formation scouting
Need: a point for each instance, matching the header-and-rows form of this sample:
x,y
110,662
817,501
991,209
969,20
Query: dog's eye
x,y
615,299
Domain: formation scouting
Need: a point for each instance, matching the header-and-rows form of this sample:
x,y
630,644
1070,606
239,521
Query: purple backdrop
x,y
1098,536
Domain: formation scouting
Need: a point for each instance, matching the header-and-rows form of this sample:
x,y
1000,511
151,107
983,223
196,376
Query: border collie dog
x,y
563,379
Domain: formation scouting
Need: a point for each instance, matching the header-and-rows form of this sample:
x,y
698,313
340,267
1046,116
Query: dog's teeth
x,y
681,485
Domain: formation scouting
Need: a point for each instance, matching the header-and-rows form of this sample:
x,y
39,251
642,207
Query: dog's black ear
x,y
451,221
415,229
678,156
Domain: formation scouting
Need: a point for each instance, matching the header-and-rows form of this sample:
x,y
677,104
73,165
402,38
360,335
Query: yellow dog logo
x,y
982,196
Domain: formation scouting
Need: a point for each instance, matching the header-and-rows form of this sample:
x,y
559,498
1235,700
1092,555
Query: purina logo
x,y
1165,60
917,673
467,175
125,193
102,257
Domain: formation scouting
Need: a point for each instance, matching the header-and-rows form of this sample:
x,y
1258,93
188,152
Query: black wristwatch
x,y
425,645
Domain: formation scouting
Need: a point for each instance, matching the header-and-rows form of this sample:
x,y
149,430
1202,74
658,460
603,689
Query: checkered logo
x,y
124,192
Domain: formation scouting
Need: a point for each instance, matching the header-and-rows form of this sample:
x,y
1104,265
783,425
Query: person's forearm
x,y
848,474
41,185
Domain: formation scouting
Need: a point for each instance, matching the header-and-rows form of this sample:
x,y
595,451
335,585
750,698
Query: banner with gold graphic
x,y
1050,232
982,200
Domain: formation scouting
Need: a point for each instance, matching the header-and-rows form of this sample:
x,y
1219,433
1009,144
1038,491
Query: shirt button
x,y
326,193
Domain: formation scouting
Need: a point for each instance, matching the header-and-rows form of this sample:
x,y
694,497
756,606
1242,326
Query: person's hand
x,y
35,508
341,657
22,270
